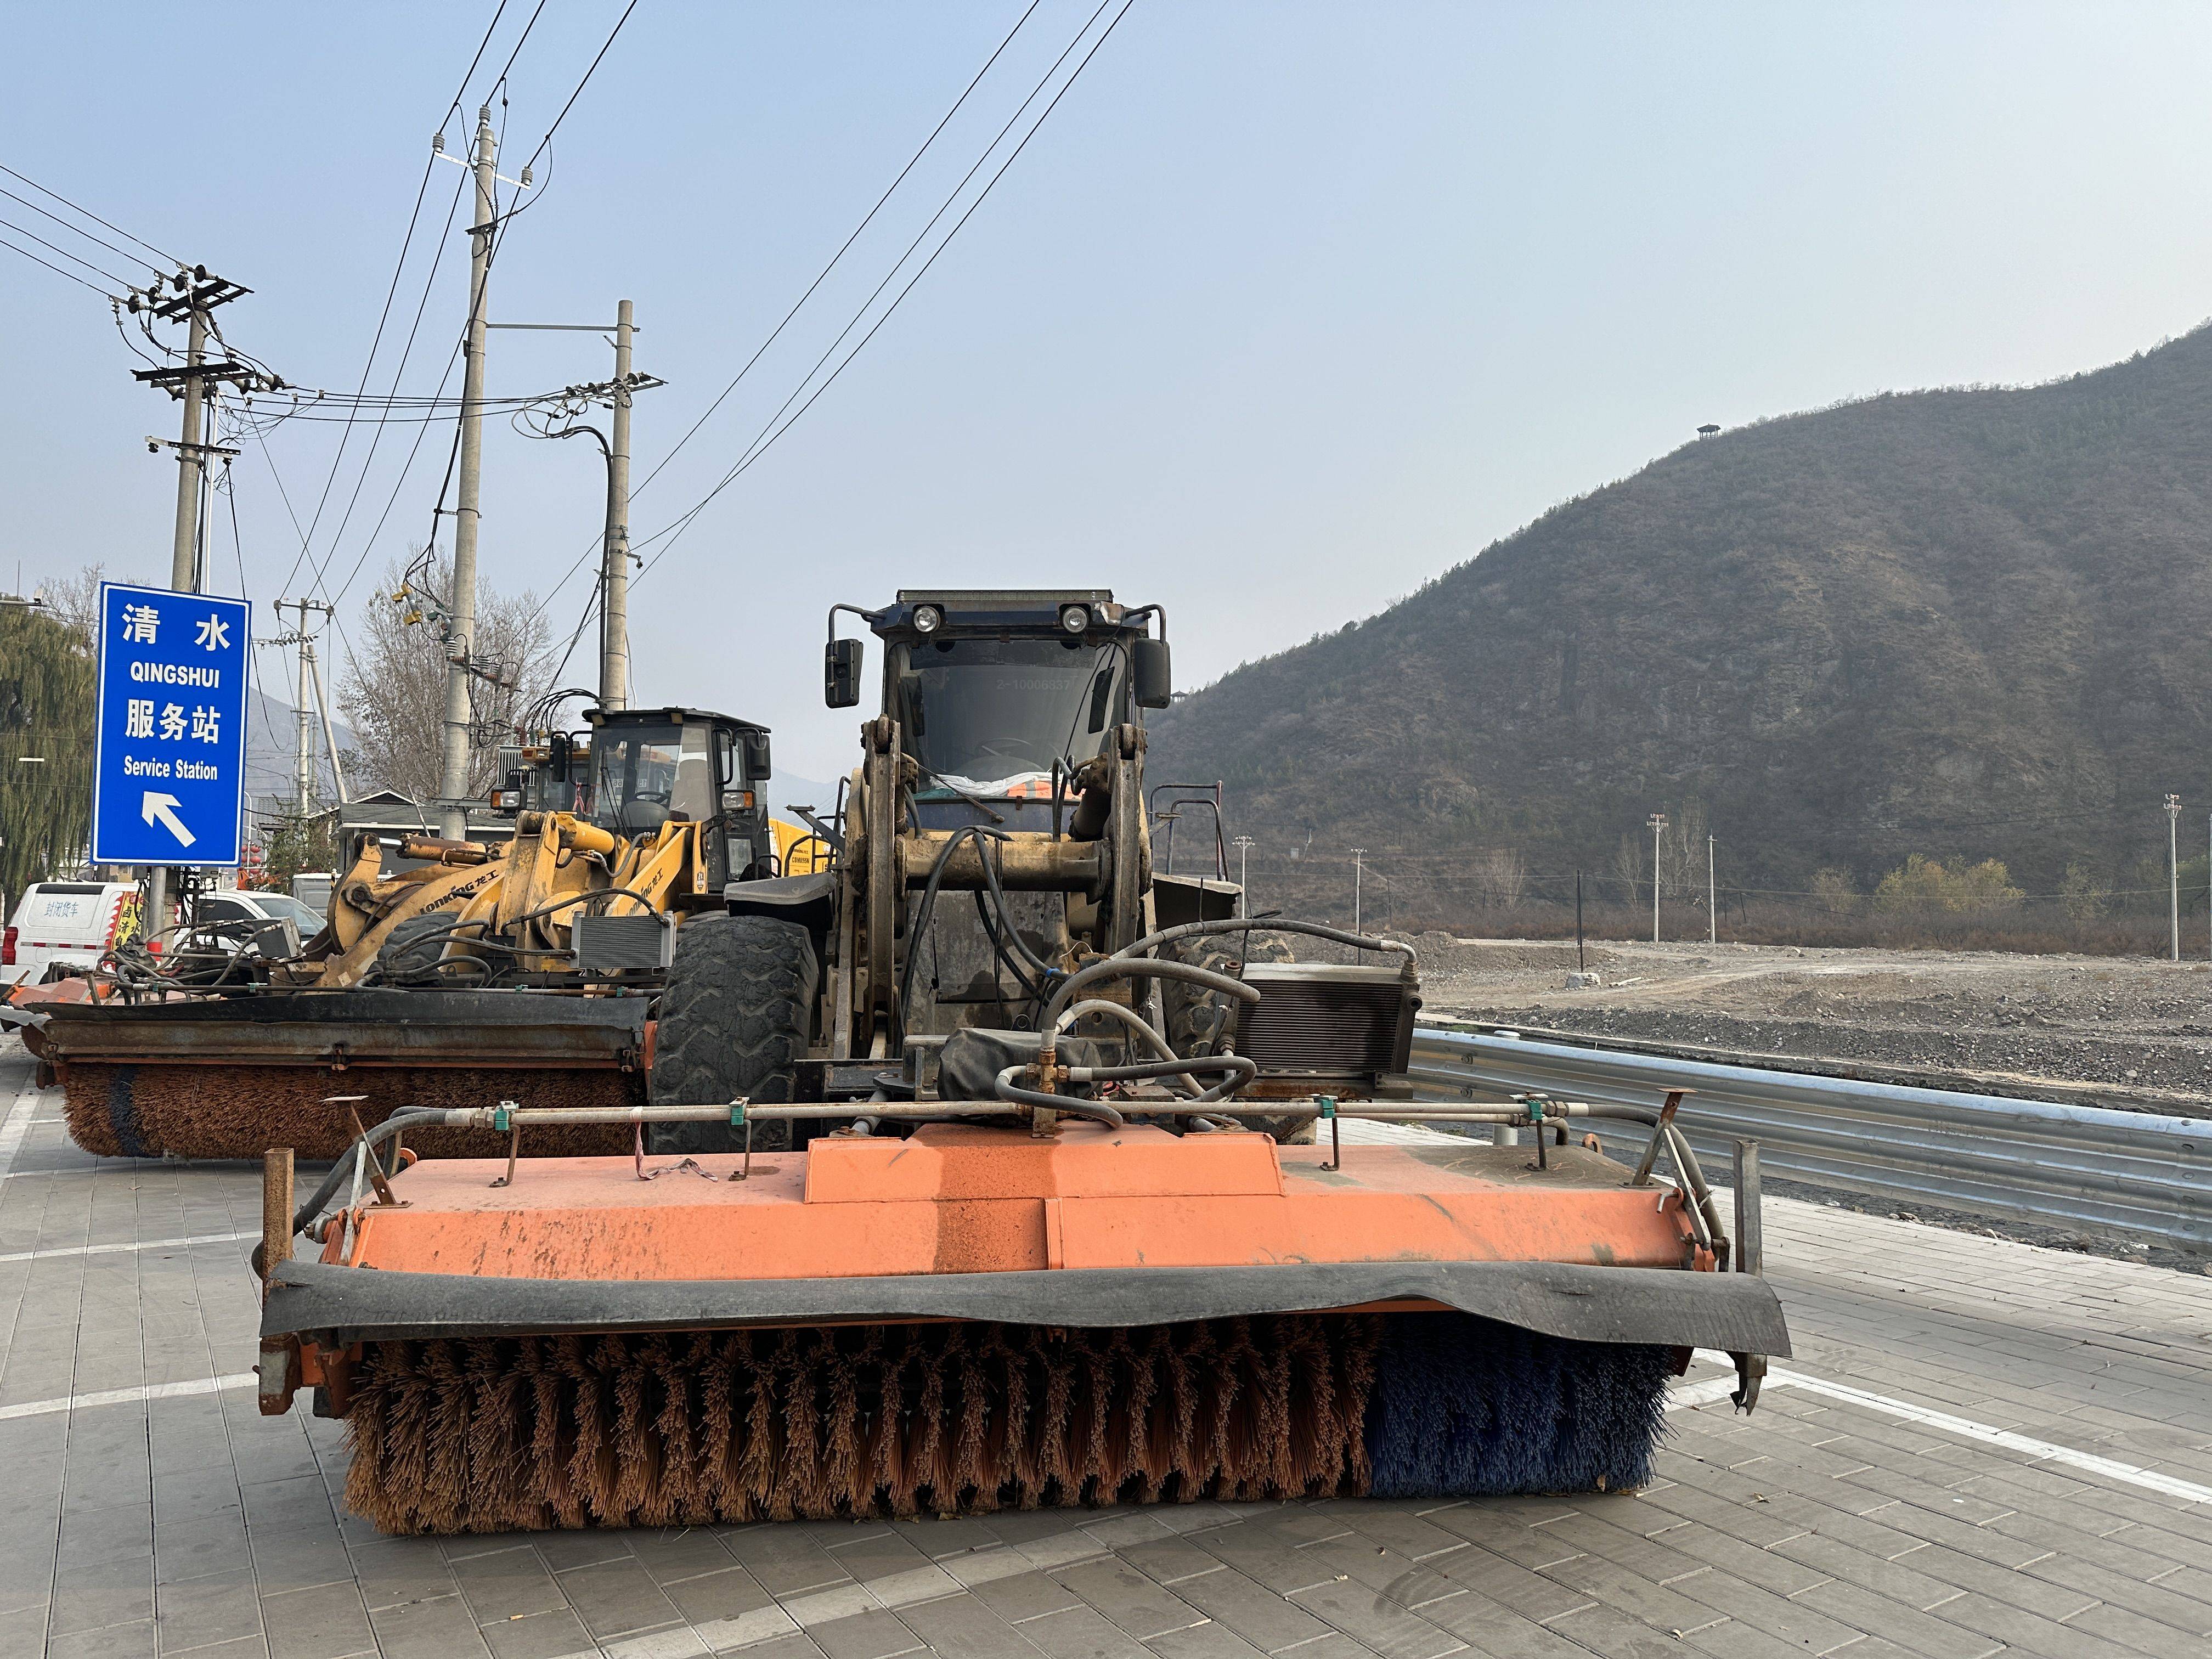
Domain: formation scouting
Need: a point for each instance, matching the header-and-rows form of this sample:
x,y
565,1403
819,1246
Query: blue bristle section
x,y
1466,1407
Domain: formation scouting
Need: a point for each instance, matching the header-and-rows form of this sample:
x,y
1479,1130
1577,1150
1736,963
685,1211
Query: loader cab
x,y
648,767
997,693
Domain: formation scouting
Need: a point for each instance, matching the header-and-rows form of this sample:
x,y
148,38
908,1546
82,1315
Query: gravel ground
x,y
2116,1031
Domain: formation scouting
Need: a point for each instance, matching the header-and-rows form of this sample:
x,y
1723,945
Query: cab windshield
x,y
644,774
983,714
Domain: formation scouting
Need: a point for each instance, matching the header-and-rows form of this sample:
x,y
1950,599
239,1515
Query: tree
x,y
46,693
294,845
1628,862
2080,895
1501,879
1682,855
1922,886
394,691
1834,892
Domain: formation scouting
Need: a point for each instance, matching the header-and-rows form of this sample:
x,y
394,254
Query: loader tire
x,y
1200,1022
406,958
733,1023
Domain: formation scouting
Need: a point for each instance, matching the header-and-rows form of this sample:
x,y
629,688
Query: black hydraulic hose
x,y
1124,966
1032,992
1261,925
1096,1110
341,1171
927,907
992,879
1149,1068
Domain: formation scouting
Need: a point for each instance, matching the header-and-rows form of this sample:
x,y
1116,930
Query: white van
x,y
63,926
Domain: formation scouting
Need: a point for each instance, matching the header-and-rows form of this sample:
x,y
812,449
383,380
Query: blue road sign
x,y
168,779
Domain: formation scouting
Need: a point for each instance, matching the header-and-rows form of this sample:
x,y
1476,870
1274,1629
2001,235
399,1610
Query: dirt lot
x,y
2114,1031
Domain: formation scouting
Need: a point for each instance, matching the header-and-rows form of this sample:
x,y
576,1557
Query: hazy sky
x,y
1287,309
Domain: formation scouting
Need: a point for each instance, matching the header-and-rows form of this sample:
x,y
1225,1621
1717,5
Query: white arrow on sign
x,y
163,807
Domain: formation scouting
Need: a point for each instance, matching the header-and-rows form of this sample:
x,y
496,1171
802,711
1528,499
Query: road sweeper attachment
x,y
474,971
937,1209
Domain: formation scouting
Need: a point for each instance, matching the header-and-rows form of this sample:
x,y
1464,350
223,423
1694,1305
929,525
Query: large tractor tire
x,y
408,957
733,1023
1199,1022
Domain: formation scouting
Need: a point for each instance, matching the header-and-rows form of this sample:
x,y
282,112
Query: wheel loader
x,y
991,1167
523,969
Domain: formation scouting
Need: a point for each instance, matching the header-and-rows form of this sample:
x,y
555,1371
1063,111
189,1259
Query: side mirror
x,y
1154,680
840,673
757,770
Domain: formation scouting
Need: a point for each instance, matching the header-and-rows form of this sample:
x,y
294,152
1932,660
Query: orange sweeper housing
x,y
941,1211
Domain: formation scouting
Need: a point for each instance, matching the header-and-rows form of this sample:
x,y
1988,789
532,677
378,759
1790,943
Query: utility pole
x,y
1358,853
304,710
1712,894
190,297
1243,845
614,616
1658,823
2173,865
183,544
461,604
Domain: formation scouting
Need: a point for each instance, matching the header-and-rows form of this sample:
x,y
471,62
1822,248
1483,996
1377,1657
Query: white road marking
x,y
1720,1388
121,1250
17,1126
1702,1394
131,1396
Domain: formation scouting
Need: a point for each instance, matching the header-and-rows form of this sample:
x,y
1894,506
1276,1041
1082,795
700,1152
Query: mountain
x,y
1964,623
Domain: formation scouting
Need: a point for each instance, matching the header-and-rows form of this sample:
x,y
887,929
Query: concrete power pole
x,y
1712,897
1658,823
1243,845
2173,865
190,296
461,604
184,546
307,706
614,620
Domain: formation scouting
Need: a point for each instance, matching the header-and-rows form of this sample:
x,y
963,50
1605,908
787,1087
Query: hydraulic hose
x,y
1125,966
920,929
342,1171
1262,925
1238,1070
1097,1110
1129,1017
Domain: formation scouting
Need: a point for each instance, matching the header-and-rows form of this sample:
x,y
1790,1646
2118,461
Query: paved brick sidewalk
x,y
1911,1508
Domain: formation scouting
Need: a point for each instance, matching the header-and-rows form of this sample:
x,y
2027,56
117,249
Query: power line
x,y
11,225
581,84
823,274
78,230
171,257
762,444
820,277
399,269
57,270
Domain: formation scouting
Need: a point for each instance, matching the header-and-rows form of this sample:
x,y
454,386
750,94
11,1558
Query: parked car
x,y
62,927
241,919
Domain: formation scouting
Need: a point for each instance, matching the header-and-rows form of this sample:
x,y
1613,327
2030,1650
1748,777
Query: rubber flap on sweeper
x,y
1732,1313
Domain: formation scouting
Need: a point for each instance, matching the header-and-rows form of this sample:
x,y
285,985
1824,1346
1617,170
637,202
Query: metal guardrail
x,y
2126,1174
